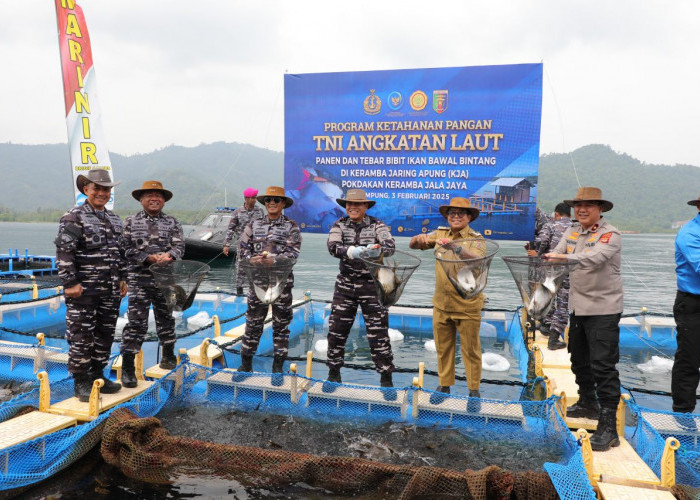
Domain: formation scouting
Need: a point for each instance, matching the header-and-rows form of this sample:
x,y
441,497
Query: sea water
x,y
649,281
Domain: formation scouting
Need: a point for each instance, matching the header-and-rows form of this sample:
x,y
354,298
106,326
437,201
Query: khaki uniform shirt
x,y
446,297
596,282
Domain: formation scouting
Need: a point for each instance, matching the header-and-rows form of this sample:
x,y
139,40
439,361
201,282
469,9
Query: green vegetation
x,y
37,186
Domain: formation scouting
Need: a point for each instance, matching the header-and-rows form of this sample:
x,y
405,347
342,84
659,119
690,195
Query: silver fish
x,y
387,279
269,295
465,282
542,298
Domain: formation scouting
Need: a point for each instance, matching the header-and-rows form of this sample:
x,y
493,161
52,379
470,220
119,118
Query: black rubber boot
x,y
544,330
277,364
474,403
82,383
128,370
168,361
553,343
245,368
439,395
585,407
239,291
334,377
109,387
605,435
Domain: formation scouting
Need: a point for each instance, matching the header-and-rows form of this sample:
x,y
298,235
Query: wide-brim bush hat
x,y
458,202
278,192
97,176
695,202
589,193
356,196
151,186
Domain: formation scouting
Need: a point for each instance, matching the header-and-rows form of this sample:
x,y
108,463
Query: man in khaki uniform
x,y
595,302
452,313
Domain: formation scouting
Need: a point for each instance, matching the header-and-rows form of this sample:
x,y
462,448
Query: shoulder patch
x,y
605,238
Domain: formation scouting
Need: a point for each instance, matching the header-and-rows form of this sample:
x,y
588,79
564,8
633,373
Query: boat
x,y
206,239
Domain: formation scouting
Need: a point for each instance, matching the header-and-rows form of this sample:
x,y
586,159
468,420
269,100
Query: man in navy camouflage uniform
x,y
274,235
92,269
240,218
150,237
546,240
352,237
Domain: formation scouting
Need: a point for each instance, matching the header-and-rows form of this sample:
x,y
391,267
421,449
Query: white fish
x,y
466,280
541,300
269,295
387,279
430,346
321,345
494,362
656,364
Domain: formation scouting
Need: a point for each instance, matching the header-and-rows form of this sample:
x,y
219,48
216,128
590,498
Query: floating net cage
x,y
268,277
466,263
179,281
391,273
538,281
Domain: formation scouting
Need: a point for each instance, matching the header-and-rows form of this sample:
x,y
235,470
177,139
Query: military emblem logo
x,y
418,100
439,100
372,103
395,100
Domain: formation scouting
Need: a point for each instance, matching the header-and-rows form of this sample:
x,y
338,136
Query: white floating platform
x,y
369,395
622,462
477,408
610,491
259,382
31,426
75,408
667,425
39,355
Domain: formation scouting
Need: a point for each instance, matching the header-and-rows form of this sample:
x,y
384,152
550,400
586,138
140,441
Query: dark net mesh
x,y
179,280
144,450
466,263
390,274
267,275
538,281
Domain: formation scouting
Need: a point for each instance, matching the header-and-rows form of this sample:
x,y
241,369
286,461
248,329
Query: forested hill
x,y
36,183
646,198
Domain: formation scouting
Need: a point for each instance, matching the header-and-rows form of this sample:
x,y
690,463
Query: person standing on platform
x,y
352,237
274,235
556,320
596,305
452,314
92,269
240,218
686,312
150,237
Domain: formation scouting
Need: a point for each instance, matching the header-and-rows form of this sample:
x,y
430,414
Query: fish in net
x,y
390,274
538,281
179,281
267,275
466,263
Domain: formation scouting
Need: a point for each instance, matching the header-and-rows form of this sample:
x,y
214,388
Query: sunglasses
x,y
456,213
272,199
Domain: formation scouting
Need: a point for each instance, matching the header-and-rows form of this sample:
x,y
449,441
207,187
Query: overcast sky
x,y
622,73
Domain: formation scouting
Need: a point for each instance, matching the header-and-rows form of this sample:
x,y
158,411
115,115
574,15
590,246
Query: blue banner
x,y
413,139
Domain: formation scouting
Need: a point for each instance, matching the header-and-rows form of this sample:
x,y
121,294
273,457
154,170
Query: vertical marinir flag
x,y
88,148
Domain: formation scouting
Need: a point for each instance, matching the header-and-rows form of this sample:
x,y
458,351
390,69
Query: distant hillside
x,y
36,182
646,198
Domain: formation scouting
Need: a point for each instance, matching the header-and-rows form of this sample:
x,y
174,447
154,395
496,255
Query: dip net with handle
x,y
538,281
267,277
390,274
466,263
179,281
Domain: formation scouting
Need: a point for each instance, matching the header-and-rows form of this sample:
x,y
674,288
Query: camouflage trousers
x,y
241,278
90,324
281,317
140,300
348,295
558,316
